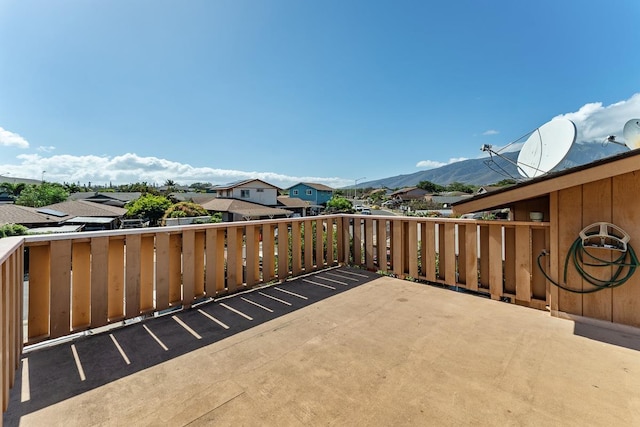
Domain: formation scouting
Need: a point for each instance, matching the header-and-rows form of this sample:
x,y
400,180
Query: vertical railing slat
x,y
188,267
495,261
38,323
60,299
147,266
81,286
116,280
133,270
175,269
450,251
523,263
308,246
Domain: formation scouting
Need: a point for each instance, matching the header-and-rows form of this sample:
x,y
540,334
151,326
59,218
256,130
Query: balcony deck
x,y
372,351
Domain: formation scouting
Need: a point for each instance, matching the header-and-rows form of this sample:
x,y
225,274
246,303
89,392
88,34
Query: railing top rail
x,y
8,245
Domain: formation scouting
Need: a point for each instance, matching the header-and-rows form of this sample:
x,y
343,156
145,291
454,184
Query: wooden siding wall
x,y
611,200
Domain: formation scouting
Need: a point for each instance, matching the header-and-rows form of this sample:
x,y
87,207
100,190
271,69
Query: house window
x,y
260,190
295,192
309,192
244,194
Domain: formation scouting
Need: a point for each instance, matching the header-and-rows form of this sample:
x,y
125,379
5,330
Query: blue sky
x,y
294,90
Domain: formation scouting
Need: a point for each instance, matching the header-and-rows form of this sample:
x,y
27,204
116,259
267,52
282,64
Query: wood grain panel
x,y
596,207
116,280
626,215
198,265
320,230
471,258
39,292
522,261
569,227
495,261
81,285
162,271
450,251
188,267
368,244
308,246
381,243
147,264
99,281
296,247
412,250
428,251
133,270
268,253
175,269
60,288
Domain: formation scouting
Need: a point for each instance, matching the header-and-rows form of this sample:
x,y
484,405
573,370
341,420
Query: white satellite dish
x,y
631,133
546,147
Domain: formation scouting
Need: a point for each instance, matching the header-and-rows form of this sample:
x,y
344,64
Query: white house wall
x,y
268,196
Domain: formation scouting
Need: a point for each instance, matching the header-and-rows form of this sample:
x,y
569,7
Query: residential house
x,y
298,206
408,193
27,216
92,216
119,199
239,210
315,194
249,190
246,200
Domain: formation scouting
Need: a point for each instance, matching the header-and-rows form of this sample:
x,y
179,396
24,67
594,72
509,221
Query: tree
x,y
459,186
148,206
13,189
44,194
430,187
185,209
339,204
8,230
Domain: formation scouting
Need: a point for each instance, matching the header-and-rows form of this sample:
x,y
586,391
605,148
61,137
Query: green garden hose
x,y
578,253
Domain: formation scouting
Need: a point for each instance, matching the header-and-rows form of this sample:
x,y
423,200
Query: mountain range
x,y
489,170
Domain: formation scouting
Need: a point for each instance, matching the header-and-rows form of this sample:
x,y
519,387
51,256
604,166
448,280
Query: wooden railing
x,y
11,268
81,281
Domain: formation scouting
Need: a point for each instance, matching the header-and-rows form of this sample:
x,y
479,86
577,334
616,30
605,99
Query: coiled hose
x,y
578,253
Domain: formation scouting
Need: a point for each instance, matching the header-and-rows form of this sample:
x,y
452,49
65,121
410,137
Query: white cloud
x,y
8,138
595,122
48,149
490,132
130,168
432,164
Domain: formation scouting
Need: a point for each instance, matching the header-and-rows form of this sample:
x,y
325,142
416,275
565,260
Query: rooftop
x,y
340,347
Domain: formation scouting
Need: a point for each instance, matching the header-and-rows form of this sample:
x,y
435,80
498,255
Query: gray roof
x,y
315,186
239,183
87,208
243,208
292,202
16,214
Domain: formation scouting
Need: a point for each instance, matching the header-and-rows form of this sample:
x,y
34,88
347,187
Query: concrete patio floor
x,y
380,351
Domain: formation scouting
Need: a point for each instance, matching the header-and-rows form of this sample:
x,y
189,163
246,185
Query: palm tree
x,y
13,189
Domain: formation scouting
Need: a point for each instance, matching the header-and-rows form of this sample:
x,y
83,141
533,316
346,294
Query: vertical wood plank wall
x,y
609,200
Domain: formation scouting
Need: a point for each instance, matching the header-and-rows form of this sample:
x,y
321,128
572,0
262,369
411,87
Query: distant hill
x,y
478,171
